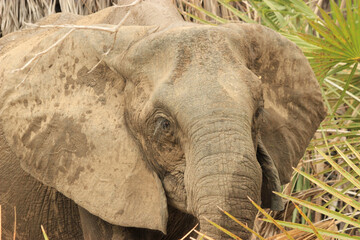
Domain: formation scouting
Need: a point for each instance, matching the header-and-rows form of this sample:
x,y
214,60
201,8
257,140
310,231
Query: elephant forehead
x,y
175,50
194,36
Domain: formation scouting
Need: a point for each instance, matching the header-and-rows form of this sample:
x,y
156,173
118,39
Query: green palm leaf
x,y
323,232
340,42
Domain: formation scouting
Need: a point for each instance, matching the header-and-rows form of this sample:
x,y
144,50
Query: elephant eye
x,y
165,125
162,125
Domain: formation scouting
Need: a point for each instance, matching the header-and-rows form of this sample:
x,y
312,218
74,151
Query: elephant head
x,y
190,116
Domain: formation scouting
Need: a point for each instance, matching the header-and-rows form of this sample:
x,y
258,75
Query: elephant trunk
x,y
223,172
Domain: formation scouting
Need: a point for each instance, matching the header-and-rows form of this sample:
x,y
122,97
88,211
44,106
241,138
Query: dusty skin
x,y
147,140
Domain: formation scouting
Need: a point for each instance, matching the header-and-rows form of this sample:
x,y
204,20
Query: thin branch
x,y
27,74
71,26
342,89
43,52
335,131
116,29
187,233
128,5
101,59
89,27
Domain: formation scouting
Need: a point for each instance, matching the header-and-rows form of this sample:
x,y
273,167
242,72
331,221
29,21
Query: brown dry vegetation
x,y
15,14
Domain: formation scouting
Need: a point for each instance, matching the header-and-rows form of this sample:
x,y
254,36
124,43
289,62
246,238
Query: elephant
x,y
141,127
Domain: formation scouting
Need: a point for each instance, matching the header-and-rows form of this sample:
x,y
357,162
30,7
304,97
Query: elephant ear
x,y
293,105
63,116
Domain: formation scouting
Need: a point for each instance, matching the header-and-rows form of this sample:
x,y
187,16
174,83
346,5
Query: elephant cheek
x,y
175,192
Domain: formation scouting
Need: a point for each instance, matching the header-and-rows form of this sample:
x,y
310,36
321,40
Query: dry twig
x,y
27,74
43,52
128,5
183,238
72,28
116,29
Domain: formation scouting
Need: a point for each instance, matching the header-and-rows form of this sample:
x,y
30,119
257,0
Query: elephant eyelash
x,y
156,129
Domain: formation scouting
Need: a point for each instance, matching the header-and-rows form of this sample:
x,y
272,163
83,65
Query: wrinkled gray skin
x,y
176,120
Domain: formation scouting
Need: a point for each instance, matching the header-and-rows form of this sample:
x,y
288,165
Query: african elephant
x,y
141,132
